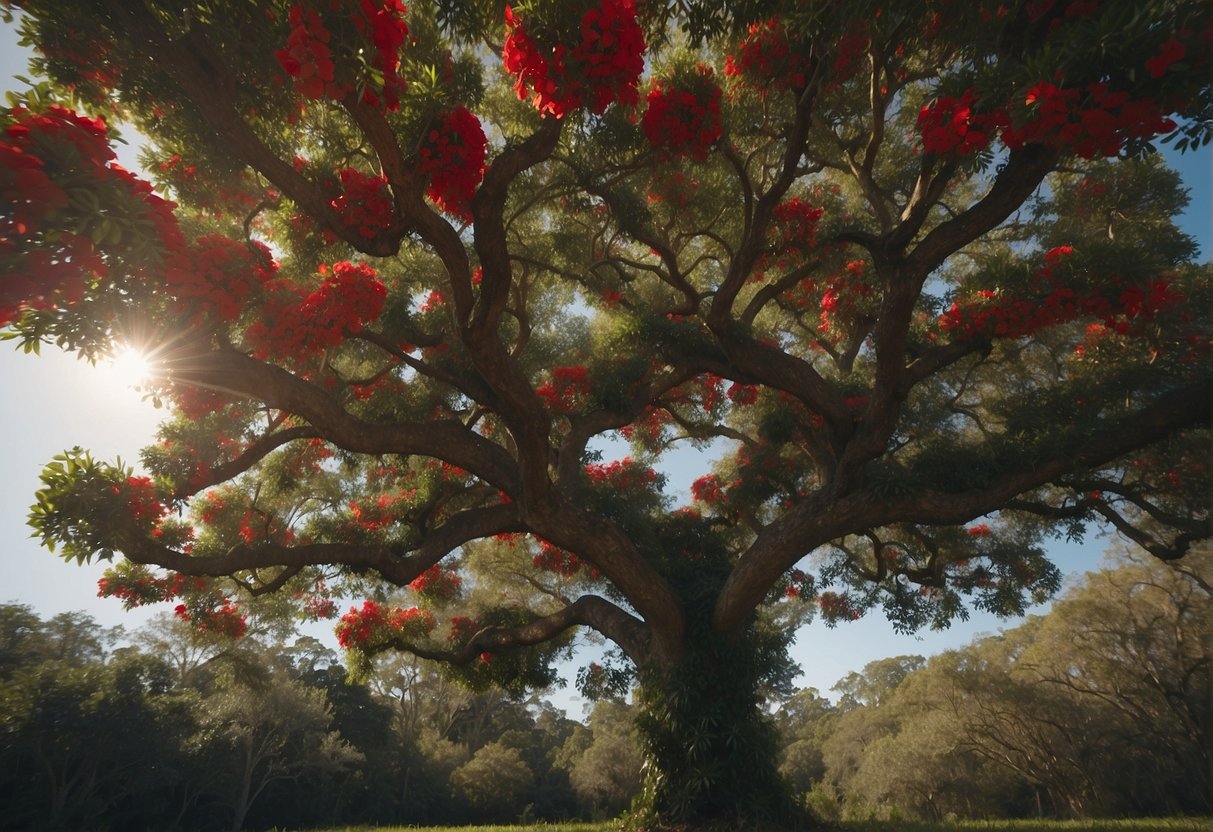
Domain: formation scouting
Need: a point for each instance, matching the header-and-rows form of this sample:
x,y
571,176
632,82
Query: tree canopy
x,y
431,293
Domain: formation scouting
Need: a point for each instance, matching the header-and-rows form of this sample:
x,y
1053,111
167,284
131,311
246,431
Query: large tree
x,y
893,268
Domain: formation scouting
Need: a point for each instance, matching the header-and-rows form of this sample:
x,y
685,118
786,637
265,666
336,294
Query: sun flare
x,y
128,368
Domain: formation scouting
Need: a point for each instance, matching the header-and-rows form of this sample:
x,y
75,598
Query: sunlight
x,y
128,369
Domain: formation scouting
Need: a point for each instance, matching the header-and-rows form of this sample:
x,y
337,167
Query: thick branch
x,y
391,562
818,520
448,440
592,611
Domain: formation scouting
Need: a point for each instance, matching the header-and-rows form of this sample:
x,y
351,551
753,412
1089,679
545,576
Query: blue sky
x,y
55,401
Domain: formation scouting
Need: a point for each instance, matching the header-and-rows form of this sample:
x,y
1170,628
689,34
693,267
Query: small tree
x,y
906,273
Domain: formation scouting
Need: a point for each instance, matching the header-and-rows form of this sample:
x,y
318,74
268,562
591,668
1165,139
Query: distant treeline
x,y
1100,708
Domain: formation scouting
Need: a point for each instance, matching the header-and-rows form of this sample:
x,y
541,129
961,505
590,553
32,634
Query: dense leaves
x,y
908,276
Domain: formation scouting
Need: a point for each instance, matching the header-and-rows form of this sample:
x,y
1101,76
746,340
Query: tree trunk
x,y
710,751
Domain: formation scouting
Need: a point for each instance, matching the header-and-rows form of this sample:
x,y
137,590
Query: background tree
x,y
604,759
1063,715
402,313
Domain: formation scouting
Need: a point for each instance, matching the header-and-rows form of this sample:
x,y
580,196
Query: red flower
x,y
567,387
1172,51
365,202
769,57
437,584
602,67
453,157
707,489
949,125
682,119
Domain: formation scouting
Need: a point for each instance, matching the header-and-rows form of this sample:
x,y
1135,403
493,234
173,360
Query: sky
x,y
54,401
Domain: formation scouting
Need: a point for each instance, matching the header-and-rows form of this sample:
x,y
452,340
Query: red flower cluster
x,y
135,586
142,501
437,584
742,394
649,427
307,57
835,608
768,57
1100,129
1054,116
359,626
365,202
989,314
567,387
452,156
800,585
604,66
796,225
295,325
1172,51
218,276
382,512
949,125
843,296
43,270
980,530
556,560
621,474
708,489
684,120
382,23
225,619
319,607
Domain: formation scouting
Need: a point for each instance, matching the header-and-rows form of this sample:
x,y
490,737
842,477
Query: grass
x,y
609,826
1144,825
1147,825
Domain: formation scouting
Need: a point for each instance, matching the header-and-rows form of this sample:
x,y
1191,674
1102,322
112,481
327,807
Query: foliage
x,y
908,275
1064,714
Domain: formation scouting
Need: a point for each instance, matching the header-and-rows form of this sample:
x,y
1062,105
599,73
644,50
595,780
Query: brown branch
x,y
824,517
629,632
448,440
251,455
394,564
210,86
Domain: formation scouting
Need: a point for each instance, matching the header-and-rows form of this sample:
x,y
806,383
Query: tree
x,y
604,759
255,737
1070,713
86,733
1155,670
494,781
893,268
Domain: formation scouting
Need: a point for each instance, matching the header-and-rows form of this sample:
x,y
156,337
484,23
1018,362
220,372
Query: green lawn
x,y
1153,825
1156,825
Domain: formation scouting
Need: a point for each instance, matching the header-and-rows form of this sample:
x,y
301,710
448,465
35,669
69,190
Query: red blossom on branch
x,y
568,386
452,156
621,474
769,57
683,116
359,628
437,584
1172,51
365,202
296,324
218,276
307,56
603,66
